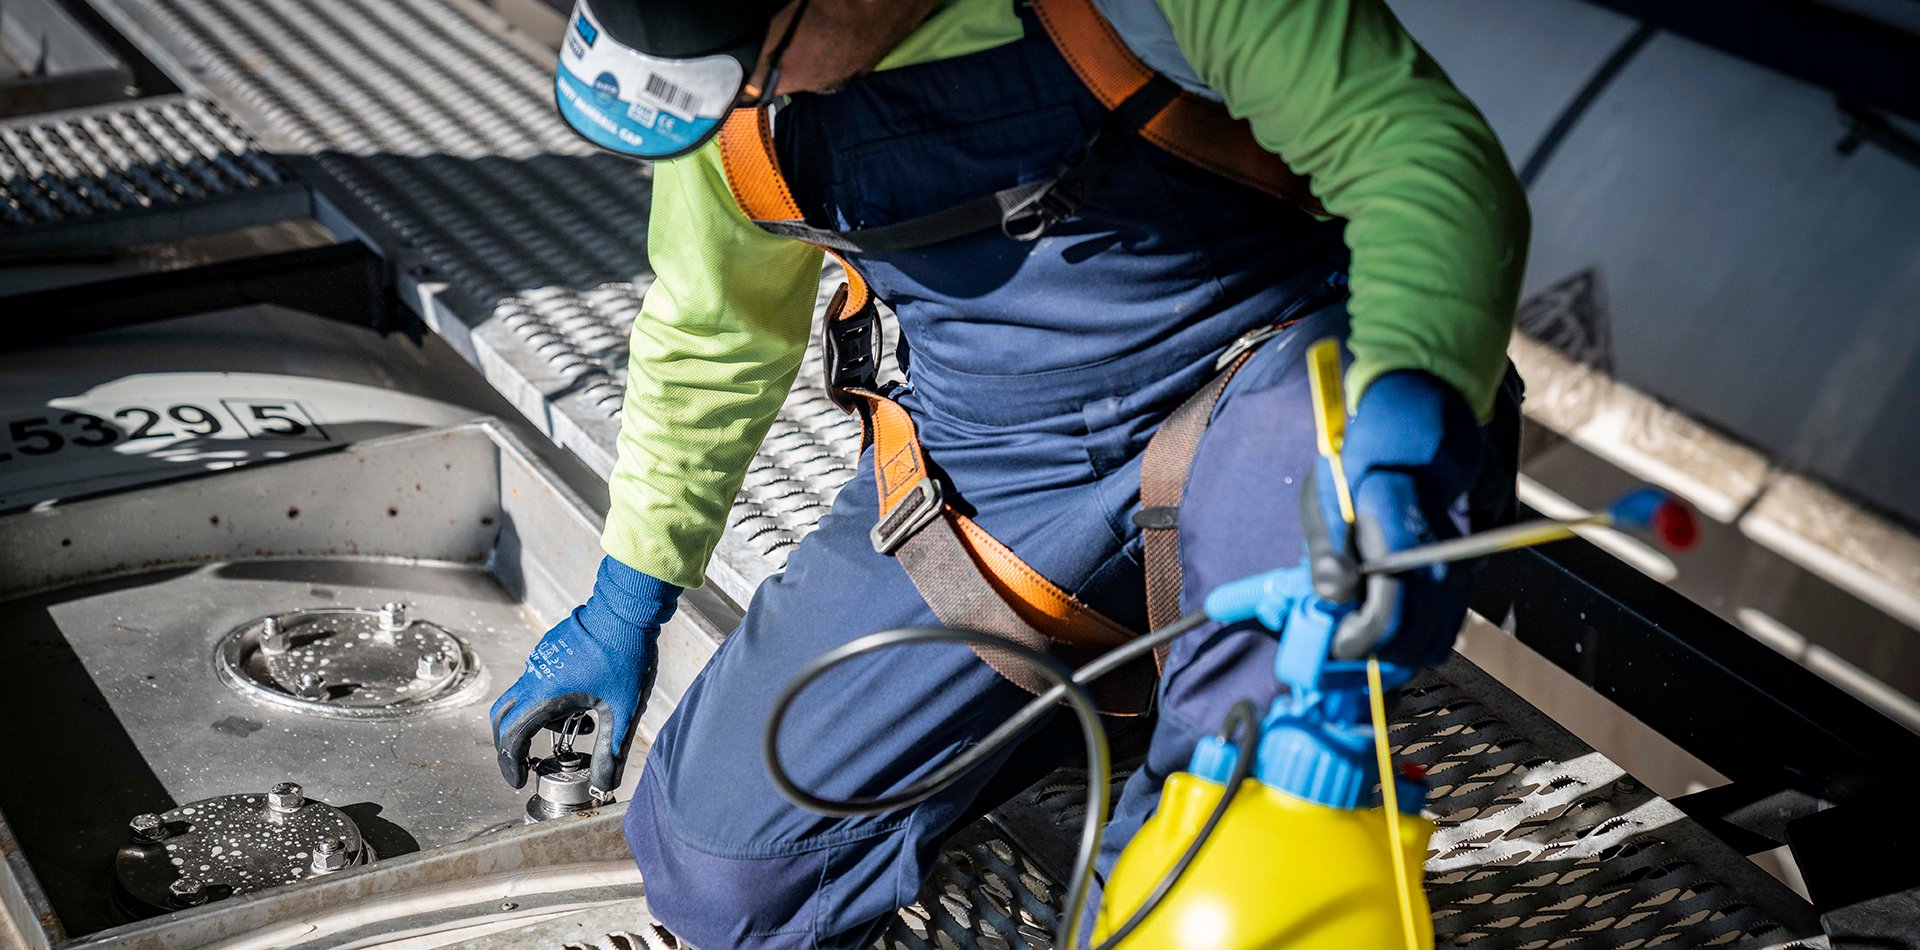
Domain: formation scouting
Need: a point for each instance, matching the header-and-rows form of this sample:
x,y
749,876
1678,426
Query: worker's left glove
x,y
1411,452
600,659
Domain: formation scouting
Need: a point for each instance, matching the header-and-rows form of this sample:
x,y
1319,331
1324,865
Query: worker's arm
x,y
714,353
1435,220
715,347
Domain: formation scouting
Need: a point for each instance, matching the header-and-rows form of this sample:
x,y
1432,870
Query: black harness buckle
x,y
851,345
1080,175
920,508
1033,218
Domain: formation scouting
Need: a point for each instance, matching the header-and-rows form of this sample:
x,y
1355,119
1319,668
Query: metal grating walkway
x,y
1542,843
147,170
525,248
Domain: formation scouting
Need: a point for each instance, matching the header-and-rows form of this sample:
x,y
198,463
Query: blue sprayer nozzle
x,y
1267,597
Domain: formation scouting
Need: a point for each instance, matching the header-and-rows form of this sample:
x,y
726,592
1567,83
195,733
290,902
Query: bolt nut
x,y
286,798
330,856
312,684
393,616
273,637
147,828
432,666
186,892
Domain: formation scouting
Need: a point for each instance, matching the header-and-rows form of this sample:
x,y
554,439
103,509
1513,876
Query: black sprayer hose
x,y
1052,669
1069,687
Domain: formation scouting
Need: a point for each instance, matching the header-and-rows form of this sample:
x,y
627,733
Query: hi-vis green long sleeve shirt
x,y
1436,224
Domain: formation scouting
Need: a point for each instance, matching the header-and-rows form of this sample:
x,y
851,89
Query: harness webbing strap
x,y
1164,468
966,575
1142,104
1193,127
1163,484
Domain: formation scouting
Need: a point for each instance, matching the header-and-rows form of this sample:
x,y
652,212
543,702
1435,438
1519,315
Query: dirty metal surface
x,y
349,662
127,667
234,844
1542,842
148,170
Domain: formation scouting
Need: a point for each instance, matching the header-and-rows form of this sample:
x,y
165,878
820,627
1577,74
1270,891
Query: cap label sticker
x,y
640,105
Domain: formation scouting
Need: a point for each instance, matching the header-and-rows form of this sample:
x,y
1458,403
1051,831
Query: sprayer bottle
x,y
1301,859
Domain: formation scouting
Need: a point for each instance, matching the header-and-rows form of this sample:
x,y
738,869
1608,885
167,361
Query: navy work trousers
x,y
729,863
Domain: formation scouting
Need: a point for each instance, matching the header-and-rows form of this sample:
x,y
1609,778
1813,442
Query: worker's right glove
x,y
600,659
1412,450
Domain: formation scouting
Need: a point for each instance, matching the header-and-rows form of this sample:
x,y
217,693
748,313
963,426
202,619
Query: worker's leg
x,y
1240,517
727,862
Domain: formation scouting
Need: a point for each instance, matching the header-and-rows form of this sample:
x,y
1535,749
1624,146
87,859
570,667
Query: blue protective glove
x,y
600,659
1412,450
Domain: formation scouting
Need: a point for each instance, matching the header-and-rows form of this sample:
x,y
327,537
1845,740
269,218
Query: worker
x,y
1133,267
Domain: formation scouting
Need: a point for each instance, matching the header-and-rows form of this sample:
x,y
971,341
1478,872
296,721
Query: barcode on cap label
x,y
676,99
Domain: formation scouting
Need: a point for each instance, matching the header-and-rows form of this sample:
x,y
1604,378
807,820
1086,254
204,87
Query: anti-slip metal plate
x,y
150,170
1542,842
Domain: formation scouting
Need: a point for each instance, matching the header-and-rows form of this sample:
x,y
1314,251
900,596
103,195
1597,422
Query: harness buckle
x,y
922,505
851,346
1033,218
1247,341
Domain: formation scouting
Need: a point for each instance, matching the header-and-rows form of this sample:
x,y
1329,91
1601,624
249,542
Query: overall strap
x,y
966,575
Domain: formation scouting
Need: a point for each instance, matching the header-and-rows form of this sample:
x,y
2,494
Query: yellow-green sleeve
x,y
1435,220
714,352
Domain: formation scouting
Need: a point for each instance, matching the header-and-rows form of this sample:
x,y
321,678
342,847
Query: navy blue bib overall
x,y
1037,372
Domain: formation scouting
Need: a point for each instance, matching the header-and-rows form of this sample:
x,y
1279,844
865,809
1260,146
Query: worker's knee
x,y
715,902
715,893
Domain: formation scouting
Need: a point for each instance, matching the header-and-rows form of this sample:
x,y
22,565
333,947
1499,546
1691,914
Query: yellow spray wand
x,y
1330,422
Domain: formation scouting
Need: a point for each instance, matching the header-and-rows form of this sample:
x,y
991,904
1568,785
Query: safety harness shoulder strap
x,y
966,575
1142,104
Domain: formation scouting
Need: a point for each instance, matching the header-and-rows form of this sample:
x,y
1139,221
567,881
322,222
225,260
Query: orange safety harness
x,y
968,577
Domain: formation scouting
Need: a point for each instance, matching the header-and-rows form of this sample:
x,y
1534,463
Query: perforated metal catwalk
x,y
1542,843
146,170
426,127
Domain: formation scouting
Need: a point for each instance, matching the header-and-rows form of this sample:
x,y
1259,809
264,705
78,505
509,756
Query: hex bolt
x,y
147,828
273,637
393,616
330,856
286,798
312,684
186,892
432,666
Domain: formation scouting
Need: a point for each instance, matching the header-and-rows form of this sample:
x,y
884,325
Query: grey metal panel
x,y
1901,14
1751,274
1521,61
49,61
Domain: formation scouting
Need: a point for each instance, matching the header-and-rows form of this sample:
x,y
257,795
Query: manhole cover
x,y
213,849
349,663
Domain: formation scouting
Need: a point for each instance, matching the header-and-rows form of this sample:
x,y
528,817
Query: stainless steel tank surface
x,y
234,844
263,676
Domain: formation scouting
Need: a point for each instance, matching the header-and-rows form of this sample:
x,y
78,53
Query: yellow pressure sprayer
x,y
1300,858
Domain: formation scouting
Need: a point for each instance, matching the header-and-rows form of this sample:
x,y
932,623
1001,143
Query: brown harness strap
x,y
1195,128
966,575
1163,481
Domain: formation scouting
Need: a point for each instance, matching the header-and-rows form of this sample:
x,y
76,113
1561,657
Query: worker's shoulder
x,y
1144,27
